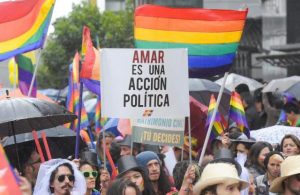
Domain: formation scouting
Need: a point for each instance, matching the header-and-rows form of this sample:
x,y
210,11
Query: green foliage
x,y
113,29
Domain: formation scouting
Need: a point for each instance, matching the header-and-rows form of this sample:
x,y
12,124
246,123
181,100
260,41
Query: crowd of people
x,y
233,164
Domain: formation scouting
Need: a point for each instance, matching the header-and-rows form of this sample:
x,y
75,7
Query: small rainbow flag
x,y
23,25
217,126
211,36
73,95
26,63
282,117
237,113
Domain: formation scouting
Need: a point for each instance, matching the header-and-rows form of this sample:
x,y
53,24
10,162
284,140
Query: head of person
x,y
123,187
31,162
108,137
59,177
243,144
219,178
289,180
62,180
125,146
290,145
179,172
90,174
129,169
104,176
258,153
292,110
153,166
241,88
272,163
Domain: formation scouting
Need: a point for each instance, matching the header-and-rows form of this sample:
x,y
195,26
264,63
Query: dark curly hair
x,y
179,171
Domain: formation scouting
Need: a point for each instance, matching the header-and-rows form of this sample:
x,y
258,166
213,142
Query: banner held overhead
x,y
139,83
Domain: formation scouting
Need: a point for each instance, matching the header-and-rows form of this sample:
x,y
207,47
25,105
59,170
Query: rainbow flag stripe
x,y
211,36
217,126
237,113
24,31
98,115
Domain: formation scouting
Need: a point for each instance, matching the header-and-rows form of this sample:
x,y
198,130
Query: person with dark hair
x,y
90,174
179,172
272,165
125,146
129,169
257,155
104,180
290,145
59,177
108,137
219,178
152,164
292,111
123,187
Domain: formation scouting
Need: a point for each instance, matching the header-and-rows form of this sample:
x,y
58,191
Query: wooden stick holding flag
x,y
213,118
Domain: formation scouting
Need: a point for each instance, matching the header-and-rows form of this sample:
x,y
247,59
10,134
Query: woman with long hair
x,y
90,174
257,155
123,187
129,169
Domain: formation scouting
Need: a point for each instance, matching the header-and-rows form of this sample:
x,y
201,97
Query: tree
x,y
112,29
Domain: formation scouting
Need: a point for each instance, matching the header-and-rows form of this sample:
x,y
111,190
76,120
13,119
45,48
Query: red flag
x,y
112,164
89,53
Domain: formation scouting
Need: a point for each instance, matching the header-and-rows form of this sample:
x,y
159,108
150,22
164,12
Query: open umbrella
x,y
294,90
280,85
274,134
234,80
22,115
61,142
201,90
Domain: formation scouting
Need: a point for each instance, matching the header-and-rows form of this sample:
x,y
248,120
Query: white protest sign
x,y
138,83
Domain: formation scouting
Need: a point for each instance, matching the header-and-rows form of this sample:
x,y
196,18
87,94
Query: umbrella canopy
x,y
294,90
22,115
201,90
234,80
281,85
61,142
274,134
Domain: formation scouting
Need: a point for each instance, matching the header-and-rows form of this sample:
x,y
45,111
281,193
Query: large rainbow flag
x,y
211,36
23,25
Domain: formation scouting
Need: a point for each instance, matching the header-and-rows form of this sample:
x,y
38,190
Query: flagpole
x,y
34,73
79,121
213,118
190,140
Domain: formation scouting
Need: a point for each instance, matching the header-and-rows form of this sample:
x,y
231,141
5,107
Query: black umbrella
x,y
61,142
22,115
201,90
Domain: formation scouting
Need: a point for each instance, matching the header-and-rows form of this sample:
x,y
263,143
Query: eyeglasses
x,y
62,178
90,173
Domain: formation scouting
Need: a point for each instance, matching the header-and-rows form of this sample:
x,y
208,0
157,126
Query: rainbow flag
x,y
23,26
26,63
211,36
217,126
73,95
98,116
237,113
90,70
8,184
